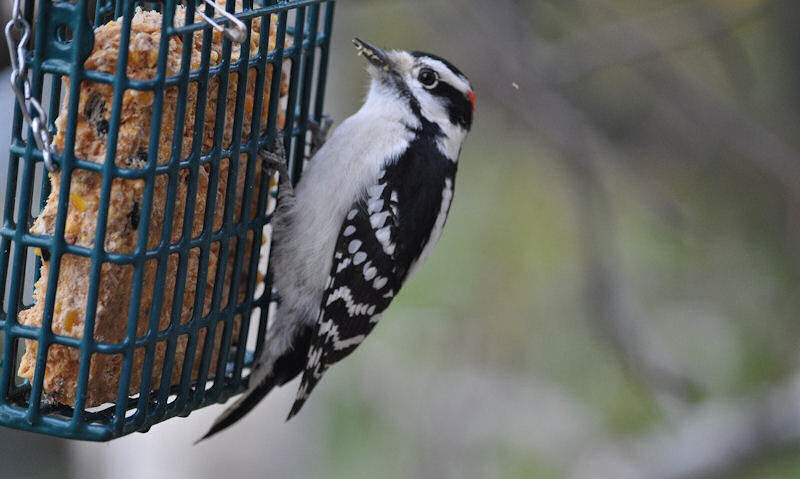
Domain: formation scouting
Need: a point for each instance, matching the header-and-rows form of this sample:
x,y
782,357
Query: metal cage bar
x,y
240,299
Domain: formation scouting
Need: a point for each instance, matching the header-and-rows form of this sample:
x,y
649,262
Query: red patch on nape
x,y
471,97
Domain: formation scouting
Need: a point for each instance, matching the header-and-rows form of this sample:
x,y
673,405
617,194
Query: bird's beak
x,y
373,54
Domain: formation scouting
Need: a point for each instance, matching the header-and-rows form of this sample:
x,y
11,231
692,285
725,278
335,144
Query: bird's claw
x,y
275,159
319,132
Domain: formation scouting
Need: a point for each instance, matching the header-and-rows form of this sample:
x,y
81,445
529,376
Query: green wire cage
x,y
157,307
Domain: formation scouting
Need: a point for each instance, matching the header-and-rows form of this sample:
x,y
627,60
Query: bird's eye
x,y
428,77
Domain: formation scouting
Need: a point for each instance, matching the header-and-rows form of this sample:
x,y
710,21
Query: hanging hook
x,y
236,29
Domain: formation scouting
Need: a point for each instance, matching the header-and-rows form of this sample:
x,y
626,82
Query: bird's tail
x,y
263,379
242,406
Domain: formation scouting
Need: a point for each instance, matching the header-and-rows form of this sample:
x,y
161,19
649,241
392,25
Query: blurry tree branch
x,y
739,132
638,347
633,39
627,41
721,121
546,111
717,437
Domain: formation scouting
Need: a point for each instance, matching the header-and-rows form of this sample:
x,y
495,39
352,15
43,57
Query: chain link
x,y
19,72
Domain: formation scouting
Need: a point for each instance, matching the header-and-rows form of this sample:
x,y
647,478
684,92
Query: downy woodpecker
x,y
369,208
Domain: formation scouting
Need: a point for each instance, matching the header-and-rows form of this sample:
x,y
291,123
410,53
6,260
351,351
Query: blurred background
x,y
616,294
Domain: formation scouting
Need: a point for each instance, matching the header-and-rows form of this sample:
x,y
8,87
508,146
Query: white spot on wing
x,y
380,282
374,205
324,327
378,219
342,265
369,272
314,356
353,246
384,237
346,343
359,258
345,294
376,190
350,229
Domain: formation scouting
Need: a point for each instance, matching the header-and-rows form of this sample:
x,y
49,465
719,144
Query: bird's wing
x,y
365,275
382,238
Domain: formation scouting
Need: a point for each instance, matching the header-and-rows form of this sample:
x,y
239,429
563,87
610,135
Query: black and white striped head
x,y
433,87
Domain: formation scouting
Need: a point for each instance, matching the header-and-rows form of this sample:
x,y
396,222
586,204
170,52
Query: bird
x,y
370,206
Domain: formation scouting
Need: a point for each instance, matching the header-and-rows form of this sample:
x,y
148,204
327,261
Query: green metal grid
x,y
309,23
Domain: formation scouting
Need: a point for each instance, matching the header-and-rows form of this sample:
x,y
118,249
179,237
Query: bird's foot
x,y
275,159
319,132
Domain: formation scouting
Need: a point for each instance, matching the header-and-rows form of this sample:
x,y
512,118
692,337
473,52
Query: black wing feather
x,y
361,285
379,241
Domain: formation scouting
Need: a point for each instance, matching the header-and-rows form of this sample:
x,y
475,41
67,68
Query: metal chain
x,y
19,71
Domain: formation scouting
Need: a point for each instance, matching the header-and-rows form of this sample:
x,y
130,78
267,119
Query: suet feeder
x,y
133,286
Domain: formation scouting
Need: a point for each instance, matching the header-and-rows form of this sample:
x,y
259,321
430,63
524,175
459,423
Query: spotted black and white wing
x,y
380,240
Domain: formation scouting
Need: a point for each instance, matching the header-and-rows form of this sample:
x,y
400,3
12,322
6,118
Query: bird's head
x,y
434,88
